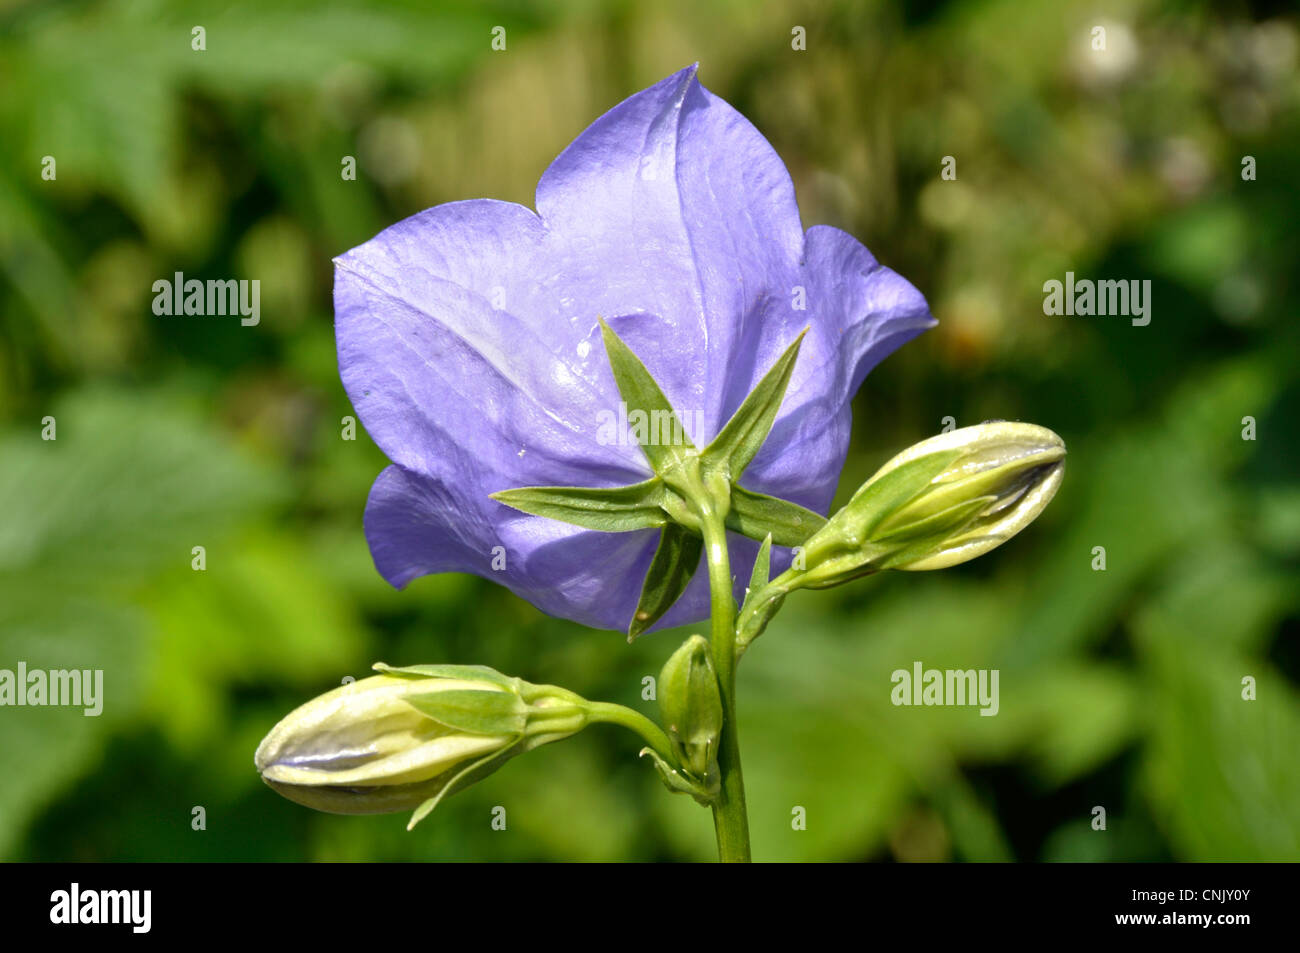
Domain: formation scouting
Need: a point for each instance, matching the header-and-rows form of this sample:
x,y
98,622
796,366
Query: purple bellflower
x,y
470,345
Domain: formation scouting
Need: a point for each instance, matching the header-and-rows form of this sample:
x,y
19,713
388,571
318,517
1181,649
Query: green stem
x,y
654,736
730,820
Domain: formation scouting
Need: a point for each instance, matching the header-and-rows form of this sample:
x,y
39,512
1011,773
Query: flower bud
x,y
405,738
939,503
692,707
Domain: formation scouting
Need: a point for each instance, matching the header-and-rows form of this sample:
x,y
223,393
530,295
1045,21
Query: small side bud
x,y
944,501
679,782
691,706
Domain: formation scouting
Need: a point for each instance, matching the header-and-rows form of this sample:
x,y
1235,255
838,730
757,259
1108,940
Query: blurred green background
x,y
1119,688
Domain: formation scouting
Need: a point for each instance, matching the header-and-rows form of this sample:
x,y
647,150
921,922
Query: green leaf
x,y
120,489
480,712
268,581
674,563
618,509
94,523
640,392
737,443
50,627
123,110
1220,770
757,516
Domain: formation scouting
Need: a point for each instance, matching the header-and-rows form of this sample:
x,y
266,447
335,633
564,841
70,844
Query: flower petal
x,y
682,220
859,312
434,355
418,525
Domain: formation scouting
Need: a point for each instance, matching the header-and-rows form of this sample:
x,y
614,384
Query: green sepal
x,y
761,600
742,437
479,673
934,533
878,498
705,793
760,575
757,516
937,527
479,712
852,569
994,483
903,558
640,392
478,770
676,559
474,771
753,623
618,509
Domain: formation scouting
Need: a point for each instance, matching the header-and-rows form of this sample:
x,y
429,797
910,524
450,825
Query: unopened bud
x,y
691,706
941,502
406,738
